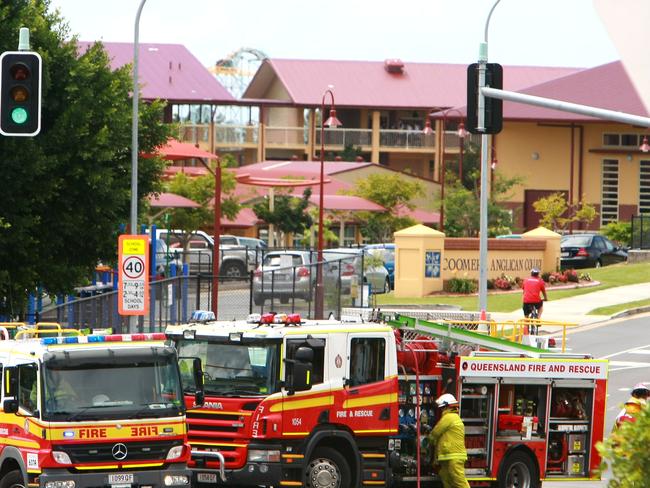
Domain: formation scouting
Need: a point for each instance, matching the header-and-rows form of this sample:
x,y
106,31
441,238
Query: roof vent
x,y
394,66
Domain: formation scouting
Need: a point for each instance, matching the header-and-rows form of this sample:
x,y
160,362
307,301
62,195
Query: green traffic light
x,y
19,115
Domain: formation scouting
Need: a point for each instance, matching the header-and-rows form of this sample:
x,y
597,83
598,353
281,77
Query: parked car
x,y
238,255
166,256
375,275
284,275
386,252
589,251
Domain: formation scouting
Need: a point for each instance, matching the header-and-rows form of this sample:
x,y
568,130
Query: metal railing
x,y
346,137
244,135
641,231
406,139
286,136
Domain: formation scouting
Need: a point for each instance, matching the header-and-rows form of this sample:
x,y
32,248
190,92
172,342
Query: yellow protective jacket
x,y
630,410
448,437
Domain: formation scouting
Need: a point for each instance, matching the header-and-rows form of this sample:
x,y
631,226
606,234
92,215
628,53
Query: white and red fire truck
x,y
339,404
91,411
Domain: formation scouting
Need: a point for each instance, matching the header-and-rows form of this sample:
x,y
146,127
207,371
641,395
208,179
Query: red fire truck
x,y
340,404
91,411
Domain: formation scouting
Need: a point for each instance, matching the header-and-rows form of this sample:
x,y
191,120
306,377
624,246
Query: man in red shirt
x,y
532,287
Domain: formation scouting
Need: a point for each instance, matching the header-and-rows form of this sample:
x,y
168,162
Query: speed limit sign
x,y
133,275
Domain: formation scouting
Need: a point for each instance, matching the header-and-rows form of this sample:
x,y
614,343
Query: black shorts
x,y
529,307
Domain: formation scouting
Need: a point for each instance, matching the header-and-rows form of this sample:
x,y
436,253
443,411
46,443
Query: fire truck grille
x,y
208,416
135,451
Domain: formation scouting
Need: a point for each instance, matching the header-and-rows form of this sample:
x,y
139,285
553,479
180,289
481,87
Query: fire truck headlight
x,y
175,452
263,456
61,457
176,480
60,484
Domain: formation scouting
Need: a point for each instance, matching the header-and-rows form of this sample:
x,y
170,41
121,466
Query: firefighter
x,y
448,440
634,405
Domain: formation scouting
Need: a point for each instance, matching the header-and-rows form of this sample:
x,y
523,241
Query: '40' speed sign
x,y
133,275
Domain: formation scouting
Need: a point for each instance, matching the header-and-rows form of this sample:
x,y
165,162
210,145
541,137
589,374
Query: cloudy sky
x,y
522,32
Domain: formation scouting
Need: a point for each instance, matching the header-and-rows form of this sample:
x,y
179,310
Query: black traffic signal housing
x,y
493,106
20,93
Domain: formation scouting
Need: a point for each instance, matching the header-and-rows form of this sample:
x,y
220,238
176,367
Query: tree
x,y
556,214
69,187
350,153
289,213
626,453
462,205
394,193
201,190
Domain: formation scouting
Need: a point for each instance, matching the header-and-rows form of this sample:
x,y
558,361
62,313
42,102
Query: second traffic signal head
x,y
20,93
493,106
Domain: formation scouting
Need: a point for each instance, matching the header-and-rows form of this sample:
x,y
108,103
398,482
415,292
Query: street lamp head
x,y
332,120
645,147
462,133
427,128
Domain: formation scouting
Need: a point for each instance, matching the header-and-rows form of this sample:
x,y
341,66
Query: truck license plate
x,y
120,479
206,477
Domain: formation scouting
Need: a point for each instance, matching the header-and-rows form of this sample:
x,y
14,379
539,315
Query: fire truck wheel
x,y
518,471
13,479
327,469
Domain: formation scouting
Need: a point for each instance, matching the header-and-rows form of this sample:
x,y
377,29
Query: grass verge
x,y
612,309
609,277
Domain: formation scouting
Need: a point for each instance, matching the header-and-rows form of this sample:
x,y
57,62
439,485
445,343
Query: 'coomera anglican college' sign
x,y
595,369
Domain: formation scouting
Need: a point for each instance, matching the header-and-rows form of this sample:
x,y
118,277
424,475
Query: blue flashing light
x,y
95,338
48,341
71,340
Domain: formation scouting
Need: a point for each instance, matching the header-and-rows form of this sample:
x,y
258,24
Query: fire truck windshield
x,y
232,369
112,387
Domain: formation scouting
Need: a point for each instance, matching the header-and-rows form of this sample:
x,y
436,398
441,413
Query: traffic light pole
x,y
483,222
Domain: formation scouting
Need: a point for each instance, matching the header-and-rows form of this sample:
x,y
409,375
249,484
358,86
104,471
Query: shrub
x,y
504,283
546,276
585,277
461,285
619,232
571,276
490,284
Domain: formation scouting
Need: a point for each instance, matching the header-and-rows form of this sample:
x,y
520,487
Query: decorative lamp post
x,y
645,147
462,133
332,121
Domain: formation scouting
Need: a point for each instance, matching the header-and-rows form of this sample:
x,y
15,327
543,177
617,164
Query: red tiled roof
x,y
171,200
346,203
245,218
167,72
607,86
423,216
368,84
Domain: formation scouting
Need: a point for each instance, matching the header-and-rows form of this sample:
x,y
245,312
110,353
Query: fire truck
x,y
341,404
91,411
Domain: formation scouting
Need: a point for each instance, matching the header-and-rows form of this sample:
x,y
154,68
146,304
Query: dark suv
x,y
589,251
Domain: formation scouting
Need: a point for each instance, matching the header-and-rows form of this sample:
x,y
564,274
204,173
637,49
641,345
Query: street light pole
x,y
332,121
483,227
134,125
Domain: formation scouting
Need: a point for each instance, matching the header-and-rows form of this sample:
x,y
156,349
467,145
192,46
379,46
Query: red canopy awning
x,y
171,200
175,150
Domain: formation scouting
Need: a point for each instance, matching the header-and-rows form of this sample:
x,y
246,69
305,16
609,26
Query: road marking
x,y
625,351
641,351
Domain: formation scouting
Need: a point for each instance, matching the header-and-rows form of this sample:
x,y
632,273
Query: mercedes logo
x,y
119,451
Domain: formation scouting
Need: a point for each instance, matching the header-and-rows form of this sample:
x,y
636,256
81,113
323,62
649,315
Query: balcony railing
x,y
345,137
407,139
298,137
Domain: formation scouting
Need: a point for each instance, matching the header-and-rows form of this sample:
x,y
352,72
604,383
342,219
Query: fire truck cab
x,y
330,403
91,411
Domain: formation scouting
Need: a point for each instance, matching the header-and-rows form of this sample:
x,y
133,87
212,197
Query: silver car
x,y
351,259
284,275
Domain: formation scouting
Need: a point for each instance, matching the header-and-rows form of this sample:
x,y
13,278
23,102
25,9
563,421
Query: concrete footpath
x,y
575,309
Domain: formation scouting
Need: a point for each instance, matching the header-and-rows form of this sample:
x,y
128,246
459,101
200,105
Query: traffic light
x,y
493,106
20,93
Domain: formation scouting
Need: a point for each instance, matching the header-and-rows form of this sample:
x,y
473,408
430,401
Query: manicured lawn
x,y
612,309
610,276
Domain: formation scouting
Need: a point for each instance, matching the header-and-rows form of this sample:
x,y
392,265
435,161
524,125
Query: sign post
x,y
133,275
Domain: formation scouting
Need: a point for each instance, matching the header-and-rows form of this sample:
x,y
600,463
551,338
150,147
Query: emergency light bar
x,y
156,336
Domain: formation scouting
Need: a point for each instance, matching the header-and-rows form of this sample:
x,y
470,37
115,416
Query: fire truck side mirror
x,y
301,370
199,394
10,405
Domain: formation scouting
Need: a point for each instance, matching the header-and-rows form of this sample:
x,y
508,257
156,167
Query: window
x,y
611,140
367,359
276,260
318,346
230,241
644,187
27,386
349,235
629,140
609,192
